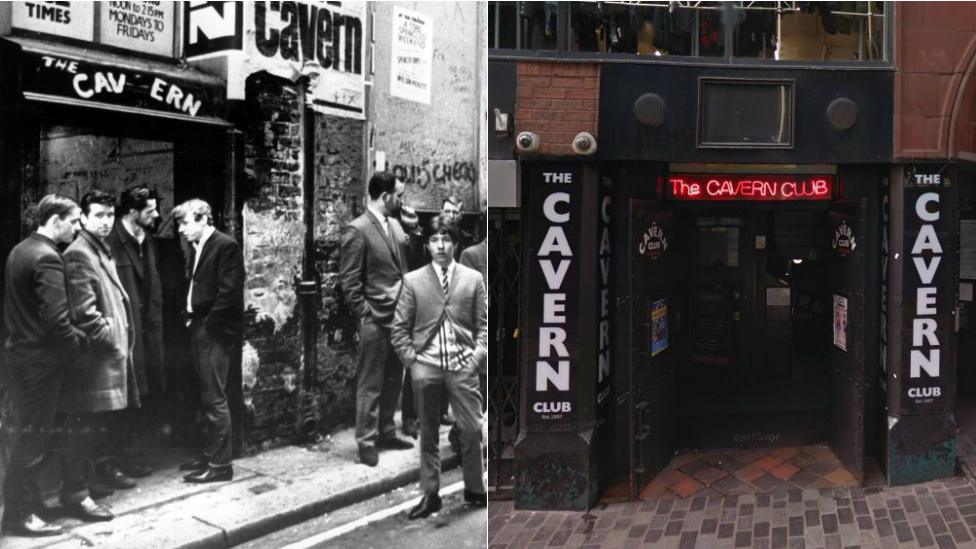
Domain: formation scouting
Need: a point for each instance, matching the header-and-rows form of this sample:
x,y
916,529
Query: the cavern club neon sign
x,y
709,187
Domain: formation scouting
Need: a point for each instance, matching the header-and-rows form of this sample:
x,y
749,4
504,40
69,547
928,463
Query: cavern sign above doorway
x,y
324,41
748,187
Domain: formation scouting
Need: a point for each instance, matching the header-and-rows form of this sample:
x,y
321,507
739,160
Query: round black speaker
x,y
649,110
842,113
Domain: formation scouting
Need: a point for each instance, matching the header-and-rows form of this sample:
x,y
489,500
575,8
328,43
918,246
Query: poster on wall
x,y
66,19
412,55
146,27
659,326
840,322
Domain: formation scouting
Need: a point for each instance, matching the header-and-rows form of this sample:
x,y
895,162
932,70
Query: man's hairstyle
x,y
443,224
453,200
194,207
408,216
54,204
136,198
381,182
96,196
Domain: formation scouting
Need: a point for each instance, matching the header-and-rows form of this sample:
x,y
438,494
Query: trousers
x,y
211,357
379,378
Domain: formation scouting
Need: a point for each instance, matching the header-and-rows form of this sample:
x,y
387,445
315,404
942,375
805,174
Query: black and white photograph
x,y
245,274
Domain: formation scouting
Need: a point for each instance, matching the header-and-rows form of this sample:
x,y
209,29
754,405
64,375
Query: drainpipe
x,y
307,288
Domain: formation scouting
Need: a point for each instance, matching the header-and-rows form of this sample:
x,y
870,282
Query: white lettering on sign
x,y
550,407
926,257
554,254
206,21
103,83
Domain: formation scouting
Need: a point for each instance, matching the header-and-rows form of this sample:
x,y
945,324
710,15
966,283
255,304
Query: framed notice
x,y
840,322
66,19
140,26
659,326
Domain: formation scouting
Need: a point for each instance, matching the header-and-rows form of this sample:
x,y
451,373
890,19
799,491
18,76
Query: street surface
x,y
455,526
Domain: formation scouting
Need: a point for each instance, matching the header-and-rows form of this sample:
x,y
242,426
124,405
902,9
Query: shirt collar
x,y
207,232
440,271
129,230
382,217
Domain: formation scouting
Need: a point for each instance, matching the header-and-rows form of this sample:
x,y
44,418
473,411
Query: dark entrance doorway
x,y
747,329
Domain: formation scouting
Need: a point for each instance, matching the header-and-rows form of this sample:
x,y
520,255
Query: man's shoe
x,y
368,456
195,464
111,476
99,491
135,470
211,474
393,443
410,428
429,504
88,511
475,499
31,526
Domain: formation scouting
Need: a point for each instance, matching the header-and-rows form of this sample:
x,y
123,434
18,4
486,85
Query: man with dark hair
x,y
41,341
134,250
215,315
440,331
372,260
101,381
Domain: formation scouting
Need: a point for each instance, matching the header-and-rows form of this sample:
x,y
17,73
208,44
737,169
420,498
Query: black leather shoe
x,y
135,470
393,443
31,526
475,499
99,491
211,474
110,475
368,456
195,464
88,511
429,504
410,428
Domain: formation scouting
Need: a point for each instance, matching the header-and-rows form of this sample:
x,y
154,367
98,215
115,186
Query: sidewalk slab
x,y
270,491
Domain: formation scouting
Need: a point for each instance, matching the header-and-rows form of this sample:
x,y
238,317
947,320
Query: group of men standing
x,y
417,309
84,347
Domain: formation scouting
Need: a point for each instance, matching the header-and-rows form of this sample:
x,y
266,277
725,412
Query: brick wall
x,y
557,101
273,228
339,190
935,53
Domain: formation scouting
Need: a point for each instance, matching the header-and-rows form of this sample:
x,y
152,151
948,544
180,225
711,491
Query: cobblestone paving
x,y
932,514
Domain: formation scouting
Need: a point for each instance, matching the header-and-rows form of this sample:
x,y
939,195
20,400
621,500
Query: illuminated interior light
x,y
797,260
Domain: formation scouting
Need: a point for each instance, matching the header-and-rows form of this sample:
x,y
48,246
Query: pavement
x,y
270,491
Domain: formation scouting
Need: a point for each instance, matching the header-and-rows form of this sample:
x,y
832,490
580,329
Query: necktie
x,y
444,280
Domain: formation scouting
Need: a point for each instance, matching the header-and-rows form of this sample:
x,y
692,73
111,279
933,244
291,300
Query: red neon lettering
x,y
772,187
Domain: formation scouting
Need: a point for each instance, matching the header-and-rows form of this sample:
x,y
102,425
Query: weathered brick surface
x,y
339,190
557,101
935,50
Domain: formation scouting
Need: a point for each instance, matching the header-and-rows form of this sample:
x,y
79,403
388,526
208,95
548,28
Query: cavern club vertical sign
x,y
921,368
554,325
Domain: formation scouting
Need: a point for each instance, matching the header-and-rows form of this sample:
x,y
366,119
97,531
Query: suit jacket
x,y
218,285
371,267
423,306
476,257
140,278
39,329
102,378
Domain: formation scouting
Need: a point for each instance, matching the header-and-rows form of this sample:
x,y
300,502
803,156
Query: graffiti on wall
x,y
429,181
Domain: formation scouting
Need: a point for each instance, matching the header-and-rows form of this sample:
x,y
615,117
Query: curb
x,y
290,517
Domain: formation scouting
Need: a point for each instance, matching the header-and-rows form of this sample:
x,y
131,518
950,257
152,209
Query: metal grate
x,y
504,281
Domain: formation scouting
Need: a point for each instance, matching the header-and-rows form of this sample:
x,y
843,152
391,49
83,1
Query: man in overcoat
x,y
41,341
134,250
372,260
101,381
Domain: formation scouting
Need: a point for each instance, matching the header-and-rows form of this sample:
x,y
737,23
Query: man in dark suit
x,y
441,332
41,341
215,313
134,251
372,260
101,381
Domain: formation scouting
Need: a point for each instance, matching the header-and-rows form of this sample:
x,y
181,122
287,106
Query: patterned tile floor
x,y
790,514
754,471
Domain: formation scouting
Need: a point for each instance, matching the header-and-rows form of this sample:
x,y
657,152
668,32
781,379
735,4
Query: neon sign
x,y
711,187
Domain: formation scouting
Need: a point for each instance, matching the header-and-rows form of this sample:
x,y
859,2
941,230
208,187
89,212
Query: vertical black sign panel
x,y
551,344
927,266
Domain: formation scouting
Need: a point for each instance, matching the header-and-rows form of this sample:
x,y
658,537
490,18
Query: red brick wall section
x,y
935,52
557,101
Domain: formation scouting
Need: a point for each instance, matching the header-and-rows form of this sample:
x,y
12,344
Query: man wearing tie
x,y
214,312
372,260
441,332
